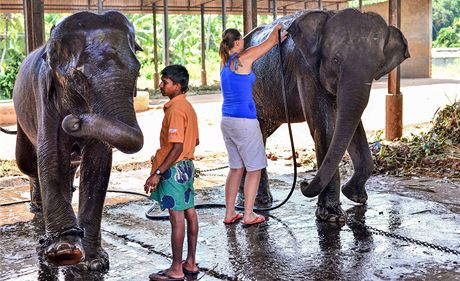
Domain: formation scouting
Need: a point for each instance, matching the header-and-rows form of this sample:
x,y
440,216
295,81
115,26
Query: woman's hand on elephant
x,y
274,34
151,183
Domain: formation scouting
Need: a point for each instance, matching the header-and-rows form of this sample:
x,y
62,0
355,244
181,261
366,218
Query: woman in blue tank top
x,y
239,125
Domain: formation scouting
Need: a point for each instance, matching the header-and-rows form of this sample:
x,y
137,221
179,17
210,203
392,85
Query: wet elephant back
x,y
267,89
25,93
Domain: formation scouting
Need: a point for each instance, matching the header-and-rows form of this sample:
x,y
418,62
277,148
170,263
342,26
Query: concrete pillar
x,y
100,7
224,16
34,24
249,15
203,49
394,99
166,33
156,77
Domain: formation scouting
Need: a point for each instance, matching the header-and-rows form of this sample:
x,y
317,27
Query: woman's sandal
x,y
234,219
162,275
257,220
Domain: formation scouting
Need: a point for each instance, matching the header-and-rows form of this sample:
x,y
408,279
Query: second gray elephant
x,y
330,61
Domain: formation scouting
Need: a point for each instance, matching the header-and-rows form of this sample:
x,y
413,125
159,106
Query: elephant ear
x,y
395,51
63,70
306,32
47,88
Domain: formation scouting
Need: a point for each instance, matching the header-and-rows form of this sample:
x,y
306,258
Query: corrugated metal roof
x,y
174,6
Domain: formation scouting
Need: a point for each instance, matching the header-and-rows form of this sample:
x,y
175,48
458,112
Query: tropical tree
x,y
449,37
444,14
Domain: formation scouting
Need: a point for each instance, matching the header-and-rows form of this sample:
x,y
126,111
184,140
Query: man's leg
x,y
192,237
177,240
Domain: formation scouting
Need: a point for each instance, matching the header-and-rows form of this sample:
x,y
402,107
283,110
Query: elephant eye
x,y
336,60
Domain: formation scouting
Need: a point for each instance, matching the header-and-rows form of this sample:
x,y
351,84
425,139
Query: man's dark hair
x,y
178,74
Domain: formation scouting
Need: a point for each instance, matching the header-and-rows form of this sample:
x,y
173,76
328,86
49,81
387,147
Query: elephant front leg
x,y
63,244
328,207
321,120
26,159
94,180
363,165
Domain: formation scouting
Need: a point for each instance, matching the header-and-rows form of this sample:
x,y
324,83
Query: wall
x,y
416,27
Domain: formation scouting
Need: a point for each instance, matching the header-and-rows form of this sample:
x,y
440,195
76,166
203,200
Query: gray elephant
x,y
74,102
330,61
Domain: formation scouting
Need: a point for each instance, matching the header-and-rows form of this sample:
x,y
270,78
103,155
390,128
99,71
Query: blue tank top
x,y
237,92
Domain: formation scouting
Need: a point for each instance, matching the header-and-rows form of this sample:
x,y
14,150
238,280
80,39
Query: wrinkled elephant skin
x,y
330,61
74,102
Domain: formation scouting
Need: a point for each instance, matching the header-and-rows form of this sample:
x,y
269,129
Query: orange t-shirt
x,y
180,125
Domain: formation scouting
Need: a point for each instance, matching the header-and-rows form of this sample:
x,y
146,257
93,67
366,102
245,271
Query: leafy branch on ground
x,y
434,153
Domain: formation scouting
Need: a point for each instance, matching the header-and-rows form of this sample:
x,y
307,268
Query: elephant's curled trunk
x,y
352,99
125,138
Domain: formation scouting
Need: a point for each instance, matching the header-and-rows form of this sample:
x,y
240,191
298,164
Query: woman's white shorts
x,y
244,143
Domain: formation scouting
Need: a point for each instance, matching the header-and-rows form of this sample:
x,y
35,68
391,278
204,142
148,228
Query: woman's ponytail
x,y
229,37
223,52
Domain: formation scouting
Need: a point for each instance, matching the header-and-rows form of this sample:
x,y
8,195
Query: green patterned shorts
x,y
175,189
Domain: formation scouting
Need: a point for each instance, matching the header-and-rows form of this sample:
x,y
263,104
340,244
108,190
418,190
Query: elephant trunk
x,y
127,139
352,99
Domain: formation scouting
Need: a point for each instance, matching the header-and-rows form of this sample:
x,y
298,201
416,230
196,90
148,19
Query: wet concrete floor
x,y
290,245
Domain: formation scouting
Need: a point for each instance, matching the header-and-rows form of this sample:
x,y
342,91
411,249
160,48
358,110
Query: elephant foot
x,y
95,261
355,193
263,201
68,250
331,213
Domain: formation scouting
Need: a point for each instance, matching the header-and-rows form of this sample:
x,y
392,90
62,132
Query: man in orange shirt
x,y
172,174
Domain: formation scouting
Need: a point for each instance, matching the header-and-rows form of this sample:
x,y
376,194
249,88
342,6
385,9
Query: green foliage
x,y
52,20
184,41
449,37
8,77
444,14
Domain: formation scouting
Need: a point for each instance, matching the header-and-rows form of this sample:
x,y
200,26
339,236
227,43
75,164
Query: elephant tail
x,y
9,132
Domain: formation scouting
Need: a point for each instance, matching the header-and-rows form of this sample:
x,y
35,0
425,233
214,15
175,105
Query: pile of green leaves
x,y
434,153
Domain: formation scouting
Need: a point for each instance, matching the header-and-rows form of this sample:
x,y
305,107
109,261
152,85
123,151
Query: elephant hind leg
x,y
363,165
35,196
26,159
26,154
